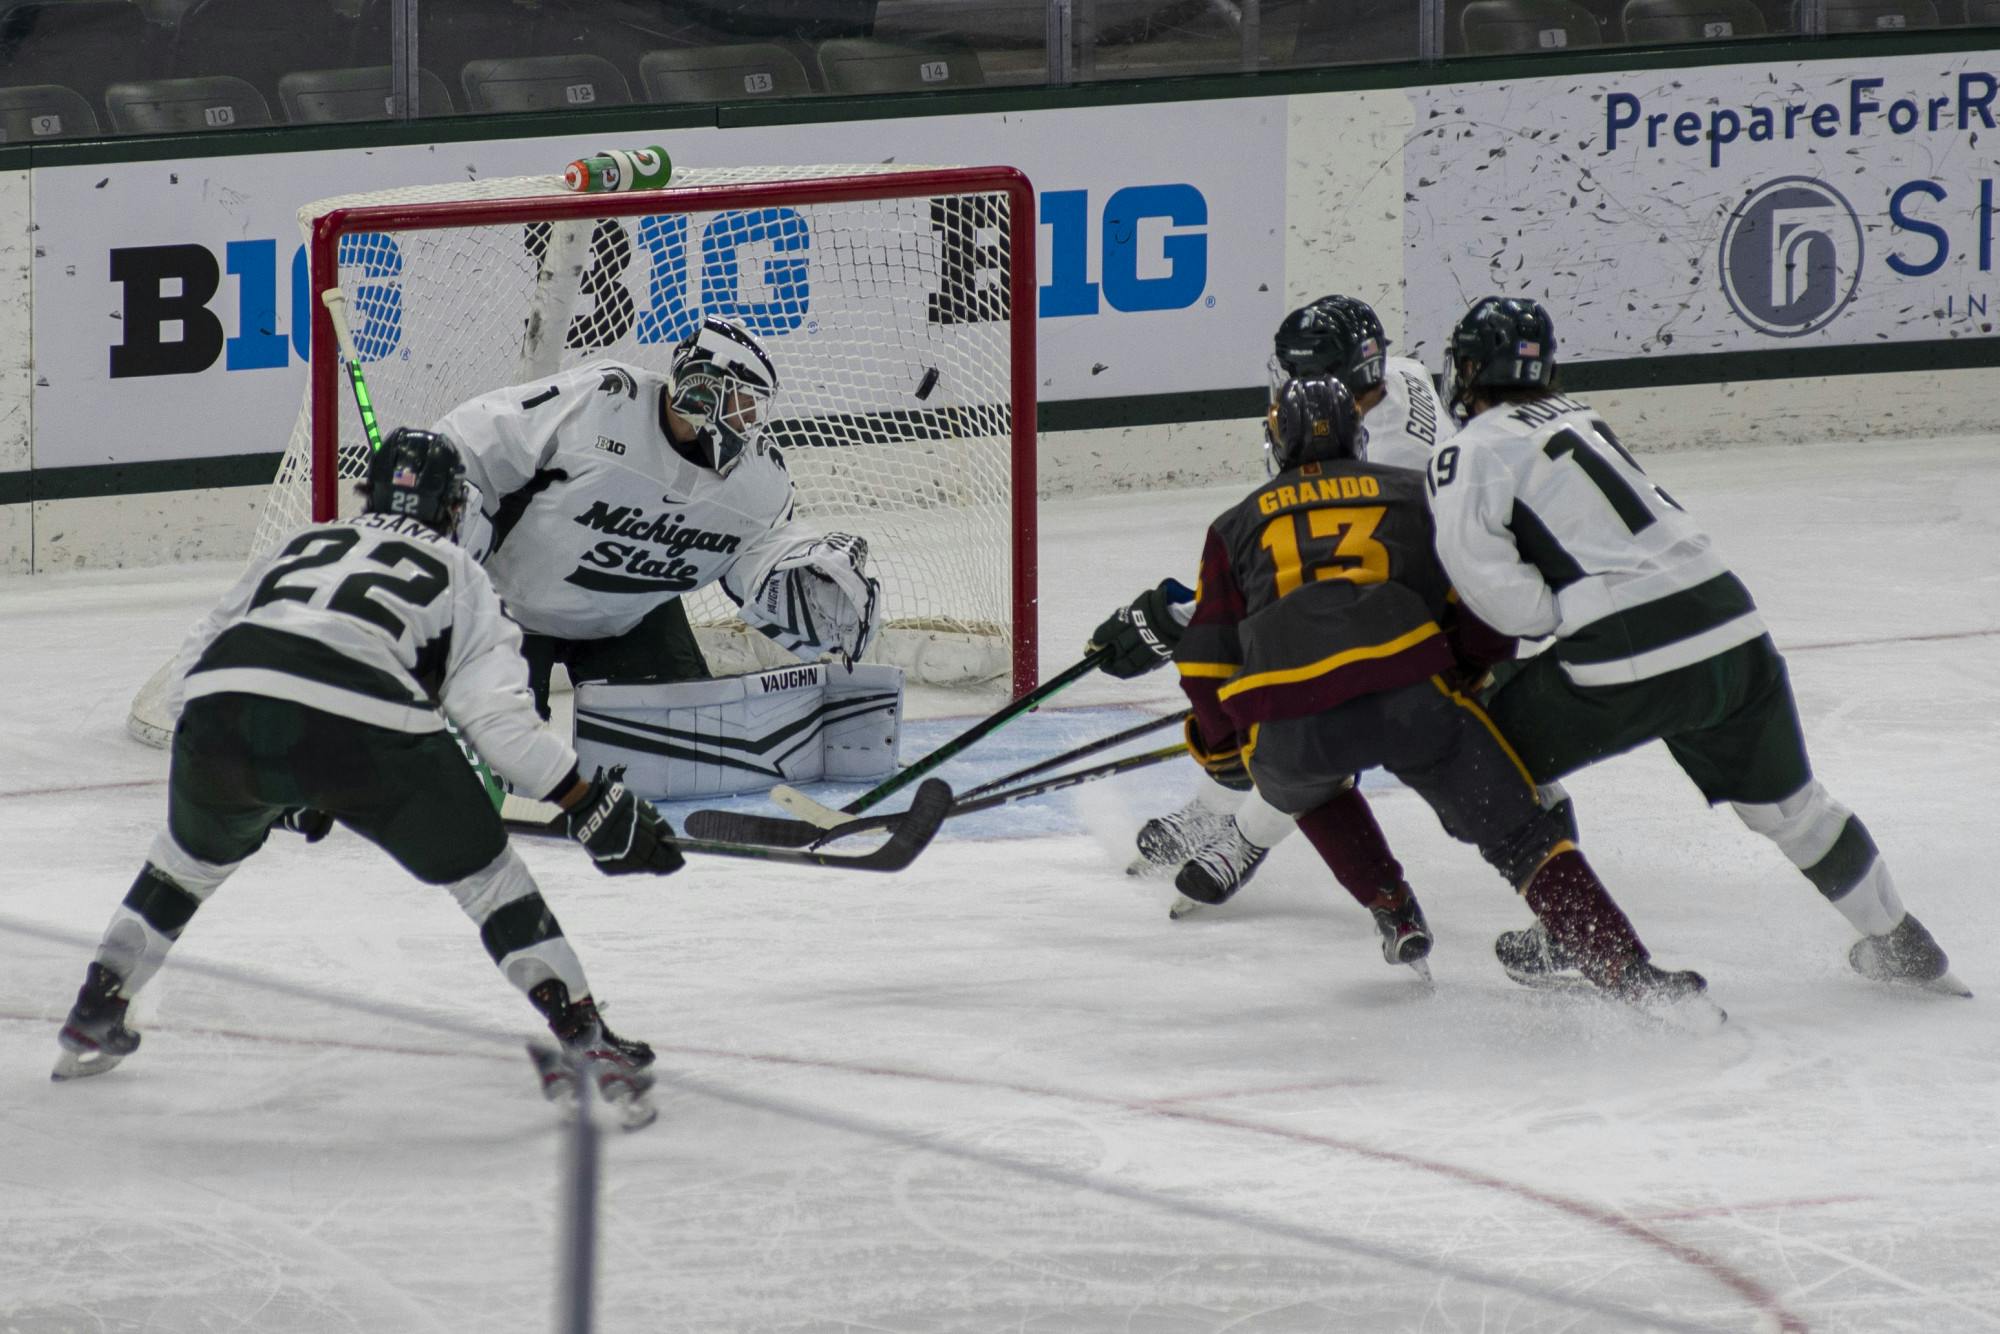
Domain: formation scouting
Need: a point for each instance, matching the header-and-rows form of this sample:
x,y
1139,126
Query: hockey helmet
x,y
1315,421
720,383
1504,342
1335,335
419,474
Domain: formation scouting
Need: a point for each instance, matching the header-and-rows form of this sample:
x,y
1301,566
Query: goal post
x,y
898,304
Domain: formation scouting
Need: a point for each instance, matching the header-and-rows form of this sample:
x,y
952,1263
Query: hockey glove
x,y
1142,636
623,834
818,599
314,824
1226,764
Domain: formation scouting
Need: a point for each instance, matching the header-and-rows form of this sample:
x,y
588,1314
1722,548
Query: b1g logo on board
x,y
1791,257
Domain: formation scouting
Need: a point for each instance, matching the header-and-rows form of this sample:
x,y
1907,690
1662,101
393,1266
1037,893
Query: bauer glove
x,y
1226,764
623,834
1142,636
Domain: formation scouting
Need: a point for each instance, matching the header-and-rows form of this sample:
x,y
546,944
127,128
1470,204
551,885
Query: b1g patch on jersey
x,y
610,446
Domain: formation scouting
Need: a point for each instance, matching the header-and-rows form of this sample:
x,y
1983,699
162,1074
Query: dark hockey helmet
x,y
720,383
1315,421
1335,335
1504,342
420,474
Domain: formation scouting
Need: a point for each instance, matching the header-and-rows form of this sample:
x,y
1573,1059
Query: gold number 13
x,y
1356,556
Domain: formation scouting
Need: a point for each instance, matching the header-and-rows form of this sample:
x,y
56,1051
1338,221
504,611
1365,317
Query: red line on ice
x,y
1744,1286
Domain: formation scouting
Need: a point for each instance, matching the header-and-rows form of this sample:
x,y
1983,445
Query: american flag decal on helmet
x,y
404,475
1527,349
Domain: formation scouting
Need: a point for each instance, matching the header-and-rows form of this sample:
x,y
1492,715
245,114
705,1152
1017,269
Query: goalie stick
x,y
805,808
778,832
910,833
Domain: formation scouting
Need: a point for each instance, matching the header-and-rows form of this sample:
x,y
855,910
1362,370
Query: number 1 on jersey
x,y
1352,531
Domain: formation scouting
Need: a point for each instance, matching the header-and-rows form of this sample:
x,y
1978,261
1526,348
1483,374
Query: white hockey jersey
x,y
1405,426
385,621
1548,527
597,519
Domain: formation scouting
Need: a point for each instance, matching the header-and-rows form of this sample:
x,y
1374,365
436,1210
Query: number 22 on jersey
x,y
1333,543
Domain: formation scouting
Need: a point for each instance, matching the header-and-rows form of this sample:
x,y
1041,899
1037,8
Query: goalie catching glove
x,y
818,599
1142,636
623,834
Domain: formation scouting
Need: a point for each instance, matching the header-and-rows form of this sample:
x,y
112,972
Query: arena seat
x,y
1691,20
82,45
38,112
183,106
1982,13
858,65
260,41
1346,32
453,33
1507,27
1880,15
326,96
723,73
543,83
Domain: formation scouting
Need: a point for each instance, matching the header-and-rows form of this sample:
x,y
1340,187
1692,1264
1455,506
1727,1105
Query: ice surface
x,y
1001,1091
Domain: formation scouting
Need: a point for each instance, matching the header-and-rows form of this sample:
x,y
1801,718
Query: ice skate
x,y
1676,998
1908,954
1165,841
94,1037
591,1050
1217,870
1534,959
1406,936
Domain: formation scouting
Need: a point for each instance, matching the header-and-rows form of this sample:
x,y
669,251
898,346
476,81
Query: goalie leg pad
x,y
687,739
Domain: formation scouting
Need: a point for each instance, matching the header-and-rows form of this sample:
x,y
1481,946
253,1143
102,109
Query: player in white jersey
x,y
1218,839
1548,528
613,490
318,691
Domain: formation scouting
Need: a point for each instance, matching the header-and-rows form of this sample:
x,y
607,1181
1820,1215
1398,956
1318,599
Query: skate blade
x,y
1144,868
1185,907
1422,968
1946,984
81,1064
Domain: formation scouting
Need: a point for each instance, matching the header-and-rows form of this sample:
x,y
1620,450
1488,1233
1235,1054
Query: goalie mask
x,y
720,384
1504,342
1315,421
419,474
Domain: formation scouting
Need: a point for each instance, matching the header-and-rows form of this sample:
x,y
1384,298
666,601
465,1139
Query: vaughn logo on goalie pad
x,y
743,733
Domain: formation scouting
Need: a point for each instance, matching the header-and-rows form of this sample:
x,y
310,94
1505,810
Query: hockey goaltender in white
x,y
611,491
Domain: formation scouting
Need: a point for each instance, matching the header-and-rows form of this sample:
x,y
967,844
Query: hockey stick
x,y
1072,756
335,302
911,834
805,808
776,832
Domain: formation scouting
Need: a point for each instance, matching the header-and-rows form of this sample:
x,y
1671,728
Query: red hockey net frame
x,y
325,387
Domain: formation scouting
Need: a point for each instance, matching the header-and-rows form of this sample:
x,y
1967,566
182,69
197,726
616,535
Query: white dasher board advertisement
x,y
170,305
1734,208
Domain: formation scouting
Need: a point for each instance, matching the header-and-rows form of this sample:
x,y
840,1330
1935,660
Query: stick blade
x,y
740,827
913,833
803,807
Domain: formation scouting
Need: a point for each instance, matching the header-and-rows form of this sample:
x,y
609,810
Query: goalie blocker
x,y
682,739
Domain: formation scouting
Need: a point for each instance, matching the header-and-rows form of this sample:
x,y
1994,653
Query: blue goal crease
x,y
1026,741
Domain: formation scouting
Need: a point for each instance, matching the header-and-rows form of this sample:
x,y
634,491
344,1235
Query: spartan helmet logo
x,y
721,383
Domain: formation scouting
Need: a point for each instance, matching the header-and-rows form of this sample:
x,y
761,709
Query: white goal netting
x,y
889,318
